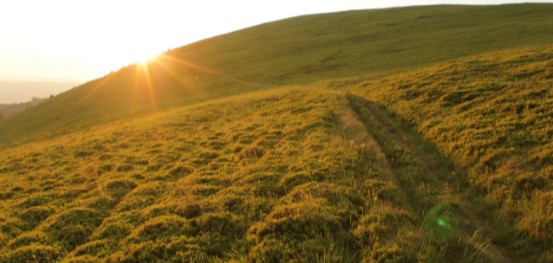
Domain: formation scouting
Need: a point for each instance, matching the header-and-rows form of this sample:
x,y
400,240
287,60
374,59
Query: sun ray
x,y
183,81
136,81
101,83
208,70
145,70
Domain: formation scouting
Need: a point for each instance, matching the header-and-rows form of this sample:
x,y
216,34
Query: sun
x,y
147,60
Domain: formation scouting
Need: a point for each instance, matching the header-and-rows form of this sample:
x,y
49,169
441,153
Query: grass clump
x,y
72,227
35,252
35,215
32,237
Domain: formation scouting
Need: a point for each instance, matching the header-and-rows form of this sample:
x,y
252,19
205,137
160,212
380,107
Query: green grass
x,y
293,51
363,136
492,115
260,178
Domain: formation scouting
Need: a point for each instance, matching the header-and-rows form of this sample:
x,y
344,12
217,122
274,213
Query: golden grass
x,y
250,178
492,114
296,174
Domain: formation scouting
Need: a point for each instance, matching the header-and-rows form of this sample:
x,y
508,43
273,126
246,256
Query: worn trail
x,y
433,187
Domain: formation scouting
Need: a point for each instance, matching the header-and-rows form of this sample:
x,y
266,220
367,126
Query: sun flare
x,y
147,60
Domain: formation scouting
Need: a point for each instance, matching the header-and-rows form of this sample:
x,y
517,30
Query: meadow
x,y
492,115
306,143
299,50
285,175
258,179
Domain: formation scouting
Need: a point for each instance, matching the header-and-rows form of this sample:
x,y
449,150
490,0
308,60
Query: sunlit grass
x,y
201,182
171,160
294,51
492,115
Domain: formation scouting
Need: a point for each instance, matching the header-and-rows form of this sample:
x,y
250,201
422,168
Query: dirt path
x,y
434,188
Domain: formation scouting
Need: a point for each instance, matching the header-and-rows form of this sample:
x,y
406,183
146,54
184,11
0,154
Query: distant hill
x,y
292,51
18,92
7,110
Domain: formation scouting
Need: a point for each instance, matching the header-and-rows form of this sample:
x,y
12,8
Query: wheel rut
x,y
433,188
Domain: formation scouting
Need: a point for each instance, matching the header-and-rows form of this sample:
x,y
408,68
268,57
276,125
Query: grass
x,y
399,157
293,51
266,177
252,178
435,190
491,115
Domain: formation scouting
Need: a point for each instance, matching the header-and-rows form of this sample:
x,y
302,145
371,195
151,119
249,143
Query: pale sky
x,y
78,40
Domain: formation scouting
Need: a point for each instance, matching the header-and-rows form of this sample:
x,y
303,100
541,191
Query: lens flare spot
x,y
443,223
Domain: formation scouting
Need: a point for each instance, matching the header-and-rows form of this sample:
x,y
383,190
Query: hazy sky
x,y
79,40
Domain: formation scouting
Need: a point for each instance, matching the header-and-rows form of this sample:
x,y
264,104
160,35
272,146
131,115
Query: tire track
x,y
434,188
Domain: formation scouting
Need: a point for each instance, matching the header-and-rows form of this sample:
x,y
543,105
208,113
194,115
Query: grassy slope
x,y
271,176
492,115
299,173
320,46
289,174
374,41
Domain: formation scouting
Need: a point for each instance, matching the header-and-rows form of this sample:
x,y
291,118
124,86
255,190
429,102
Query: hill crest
x,y
325,46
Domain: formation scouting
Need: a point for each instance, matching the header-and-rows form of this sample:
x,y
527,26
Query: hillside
x,y
271,176
292,51
433,143
492,114
338,174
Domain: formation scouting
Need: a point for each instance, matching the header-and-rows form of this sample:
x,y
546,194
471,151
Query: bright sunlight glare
x,y
145,60
66,40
